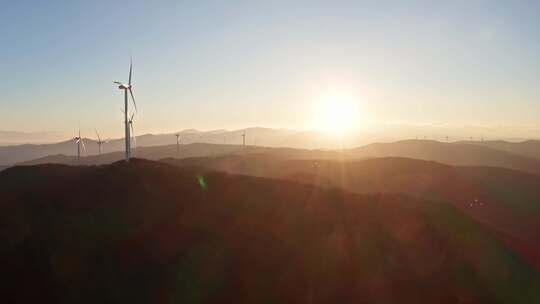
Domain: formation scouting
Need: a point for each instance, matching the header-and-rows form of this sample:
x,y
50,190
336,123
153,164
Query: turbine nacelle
x,y
123,86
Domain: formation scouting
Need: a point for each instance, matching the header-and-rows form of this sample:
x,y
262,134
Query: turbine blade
x,y
130,68
117,82
133,98
84,147
98,138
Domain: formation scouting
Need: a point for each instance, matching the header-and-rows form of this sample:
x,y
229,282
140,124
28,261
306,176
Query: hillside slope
x,y
506,201
147,232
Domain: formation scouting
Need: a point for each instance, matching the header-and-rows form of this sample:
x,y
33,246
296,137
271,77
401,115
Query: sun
x,y
337,113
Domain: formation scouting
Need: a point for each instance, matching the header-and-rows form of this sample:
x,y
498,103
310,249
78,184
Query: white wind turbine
x,y
244,138
79,141
99,142
127,123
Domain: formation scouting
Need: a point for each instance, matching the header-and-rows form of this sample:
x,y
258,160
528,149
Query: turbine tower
x,y
127,123
79,141
244,138
177,143
99,142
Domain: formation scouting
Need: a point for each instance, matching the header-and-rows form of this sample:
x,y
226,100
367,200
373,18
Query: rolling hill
x,y
10,155
529,148
451,154
459,154
505,201
524,156
185,151
145,232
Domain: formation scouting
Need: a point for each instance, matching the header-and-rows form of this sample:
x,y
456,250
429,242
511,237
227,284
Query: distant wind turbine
x,y
127,123
130,121
177,143
244,138
79,141
99,142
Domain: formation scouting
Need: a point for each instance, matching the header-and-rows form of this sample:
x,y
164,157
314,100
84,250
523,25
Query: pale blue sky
x,y
232,64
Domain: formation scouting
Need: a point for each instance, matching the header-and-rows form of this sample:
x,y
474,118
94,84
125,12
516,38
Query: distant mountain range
x,y
15,137
460,154
277,138
10,155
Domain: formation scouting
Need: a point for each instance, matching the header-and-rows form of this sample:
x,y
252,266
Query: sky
x,y
236,64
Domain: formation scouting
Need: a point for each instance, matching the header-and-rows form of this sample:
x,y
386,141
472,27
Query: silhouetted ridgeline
x,y
452,154
147,232
10,155
529,148
524,156
460,154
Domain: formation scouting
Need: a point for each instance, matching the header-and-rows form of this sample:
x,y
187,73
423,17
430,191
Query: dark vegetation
x,y
148,232
505,201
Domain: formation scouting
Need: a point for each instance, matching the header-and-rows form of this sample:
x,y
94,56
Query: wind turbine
x,y
244,138
99,142
177,143
130,121
127,123
79,141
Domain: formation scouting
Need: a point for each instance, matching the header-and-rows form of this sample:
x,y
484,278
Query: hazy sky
x,y
233,64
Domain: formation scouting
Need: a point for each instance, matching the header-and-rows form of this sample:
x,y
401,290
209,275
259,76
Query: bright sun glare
x,y
337,113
